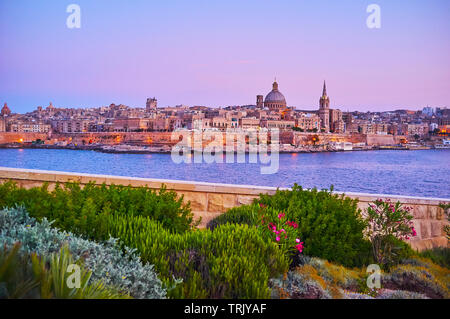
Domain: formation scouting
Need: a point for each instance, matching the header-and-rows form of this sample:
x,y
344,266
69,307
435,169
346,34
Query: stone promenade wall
x,y
11,137
209,200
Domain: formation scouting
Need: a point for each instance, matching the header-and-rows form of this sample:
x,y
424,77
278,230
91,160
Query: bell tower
x,y
324,109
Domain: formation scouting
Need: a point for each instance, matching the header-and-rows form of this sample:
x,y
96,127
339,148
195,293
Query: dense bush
x,y
330,226
25,275
107,261
84,209
234,261
231,262
247,214
438,255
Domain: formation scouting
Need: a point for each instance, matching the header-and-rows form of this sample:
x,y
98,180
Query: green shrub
x,y
114,266
84,209
233,261
438,255
24,275
247,214
330,225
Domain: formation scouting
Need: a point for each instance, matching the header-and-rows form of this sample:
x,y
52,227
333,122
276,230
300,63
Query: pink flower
x,y
299,247
278,238
297,240
281,215
292,224
413,231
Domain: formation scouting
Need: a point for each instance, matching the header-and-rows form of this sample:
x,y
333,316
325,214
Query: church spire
x,y
324,93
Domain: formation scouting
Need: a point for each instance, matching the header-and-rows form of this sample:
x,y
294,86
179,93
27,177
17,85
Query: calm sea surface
x,y
416,173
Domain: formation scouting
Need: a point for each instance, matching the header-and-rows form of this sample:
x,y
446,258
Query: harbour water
x,y
424,173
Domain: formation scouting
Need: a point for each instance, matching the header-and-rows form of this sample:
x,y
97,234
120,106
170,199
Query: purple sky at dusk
x,y
219,53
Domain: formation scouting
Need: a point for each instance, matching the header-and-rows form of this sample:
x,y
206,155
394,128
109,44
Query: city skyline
x,y
124,54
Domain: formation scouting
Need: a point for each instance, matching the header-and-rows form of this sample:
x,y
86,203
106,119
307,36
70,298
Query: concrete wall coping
x,y
57,176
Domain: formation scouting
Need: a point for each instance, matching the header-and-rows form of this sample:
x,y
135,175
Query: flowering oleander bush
x,y
107,261
282,231
387,224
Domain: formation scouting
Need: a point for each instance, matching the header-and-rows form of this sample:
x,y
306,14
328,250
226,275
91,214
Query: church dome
x,y
275,96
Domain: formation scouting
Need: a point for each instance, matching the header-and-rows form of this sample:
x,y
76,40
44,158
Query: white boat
x,y
445,145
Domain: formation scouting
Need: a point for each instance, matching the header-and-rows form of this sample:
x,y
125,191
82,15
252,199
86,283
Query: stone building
x,y
275,100
324,110
259,101
308,122
29,127
2,124
151,104
5,111
71,126
337,125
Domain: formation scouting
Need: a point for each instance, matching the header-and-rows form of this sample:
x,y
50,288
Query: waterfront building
x,y
249,123
130,124
29,127
337,125
428,111
71,126
279,124
415,129
2,124
308,122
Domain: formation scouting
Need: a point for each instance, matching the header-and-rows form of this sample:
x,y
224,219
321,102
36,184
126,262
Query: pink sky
x,y
220,53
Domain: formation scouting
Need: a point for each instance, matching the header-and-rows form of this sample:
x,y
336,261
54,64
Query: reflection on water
x,y
415,173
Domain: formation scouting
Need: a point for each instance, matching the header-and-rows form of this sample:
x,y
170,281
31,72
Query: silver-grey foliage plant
x,y
118,267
